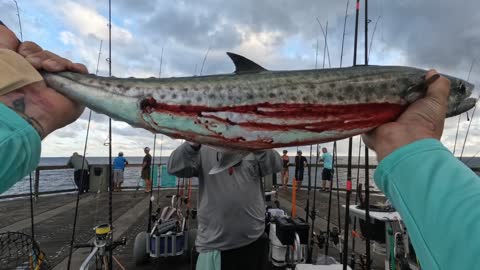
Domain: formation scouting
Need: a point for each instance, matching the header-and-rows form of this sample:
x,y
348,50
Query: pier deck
x,y
54,222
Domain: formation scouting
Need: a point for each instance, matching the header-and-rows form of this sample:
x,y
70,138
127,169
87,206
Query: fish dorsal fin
x,y
243,65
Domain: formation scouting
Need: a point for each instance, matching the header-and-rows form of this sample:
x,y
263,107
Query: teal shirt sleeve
x,y
20,148
438,198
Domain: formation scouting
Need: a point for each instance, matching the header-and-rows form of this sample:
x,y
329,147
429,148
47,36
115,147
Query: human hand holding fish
x,y
43,107
423,119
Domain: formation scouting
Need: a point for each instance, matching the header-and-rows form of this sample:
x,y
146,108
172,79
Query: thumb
x,y
429,112
8,40
439,90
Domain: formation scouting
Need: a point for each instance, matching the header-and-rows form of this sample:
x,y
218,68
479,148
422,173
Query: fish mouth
x,y
466,105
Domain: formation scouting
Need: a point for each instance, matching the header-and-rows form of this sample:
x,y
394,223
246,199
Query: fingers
x,y
46,60
439,89
8,40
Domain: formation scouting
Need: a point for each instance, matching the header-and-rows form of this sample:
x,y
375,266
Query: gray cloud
x,y
440,34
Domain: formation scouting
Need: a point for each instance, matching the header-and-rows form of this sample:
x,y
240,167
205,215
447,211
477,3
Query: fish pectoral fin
x,y
244,65
227,160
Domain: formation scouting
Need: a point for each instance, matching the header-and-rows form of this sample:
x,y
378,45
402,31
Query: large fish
x,y
254,108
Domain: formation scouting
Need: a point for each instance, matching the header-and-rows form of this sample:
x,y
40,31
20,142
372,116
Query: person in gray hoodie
x,y
231,205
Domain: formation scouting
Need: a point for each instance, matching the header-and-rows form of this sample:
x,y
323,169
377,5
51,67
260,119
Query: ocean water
x,y
51,180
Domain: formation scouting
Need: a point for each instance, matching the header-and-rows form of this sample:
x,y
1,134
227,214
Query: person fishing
x,y
81,174
286,163
145,172
417,192
300,164
119,164
231,205
327,172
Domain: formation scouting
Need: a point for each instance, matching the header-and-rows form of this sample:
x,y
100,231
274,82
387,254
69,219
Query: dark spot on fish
x,y
383,86
249,96
329,95
174,96
310,86
199,99
294,87
185,89
272,95
293,98
332,85
260,88
230,97
188,102
107,83
148,104
162,96
349,88
171,88
120,86
340,97
211,96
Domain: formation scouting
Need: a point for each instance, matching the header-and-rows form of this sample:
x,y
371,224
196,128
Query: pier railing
x,y
37,192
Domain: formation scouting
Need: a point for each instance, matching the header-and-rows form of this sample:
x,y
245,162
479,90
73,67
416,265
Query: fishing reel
x,y
103,236
335,235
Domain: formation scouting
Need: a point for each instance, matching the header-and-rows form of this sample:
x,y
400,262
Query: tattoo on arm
x,y
18,106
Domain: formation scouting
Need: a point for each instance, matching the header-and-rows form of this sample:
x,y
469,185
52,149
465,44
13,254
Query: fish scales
x,y
252,110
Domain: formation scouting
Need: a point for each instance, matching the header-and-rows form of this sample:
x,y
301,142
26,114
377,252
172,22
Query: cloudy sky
x,y
278,34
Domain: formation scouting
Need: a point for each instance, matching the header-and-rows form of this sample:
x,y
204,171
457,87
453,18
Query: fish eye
x,y
462,89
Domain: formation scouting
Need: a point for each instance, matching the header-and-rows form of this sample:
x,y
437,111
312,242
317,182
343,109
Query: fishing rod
x,y
72,240
314,208
349,163
468,129
19,20
161,138
30,175
352,260
307,208
373,35
367,169
204,60
150,202
325,34
330,200
456,135
343,35
160,169
110,175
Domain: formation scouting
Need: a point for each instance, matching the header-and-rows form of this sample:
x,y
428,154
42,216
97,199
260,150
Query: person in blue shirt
x,y
415,170
119,164
327,172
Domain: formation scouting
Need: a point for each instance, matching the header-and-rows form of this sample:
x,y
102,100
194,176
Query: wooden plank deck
x,y
54,222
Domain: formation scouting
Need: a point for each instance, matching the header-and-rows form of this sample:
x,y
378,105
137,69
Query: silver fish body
x,y
254,109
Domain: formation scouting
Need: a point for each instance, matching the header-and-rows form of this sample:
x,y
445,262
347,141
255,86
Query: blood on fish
x,y
339,118
344,117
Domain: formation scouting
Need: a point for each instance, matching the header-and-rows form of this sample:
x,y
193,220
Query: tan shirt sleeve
x,y
15,72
